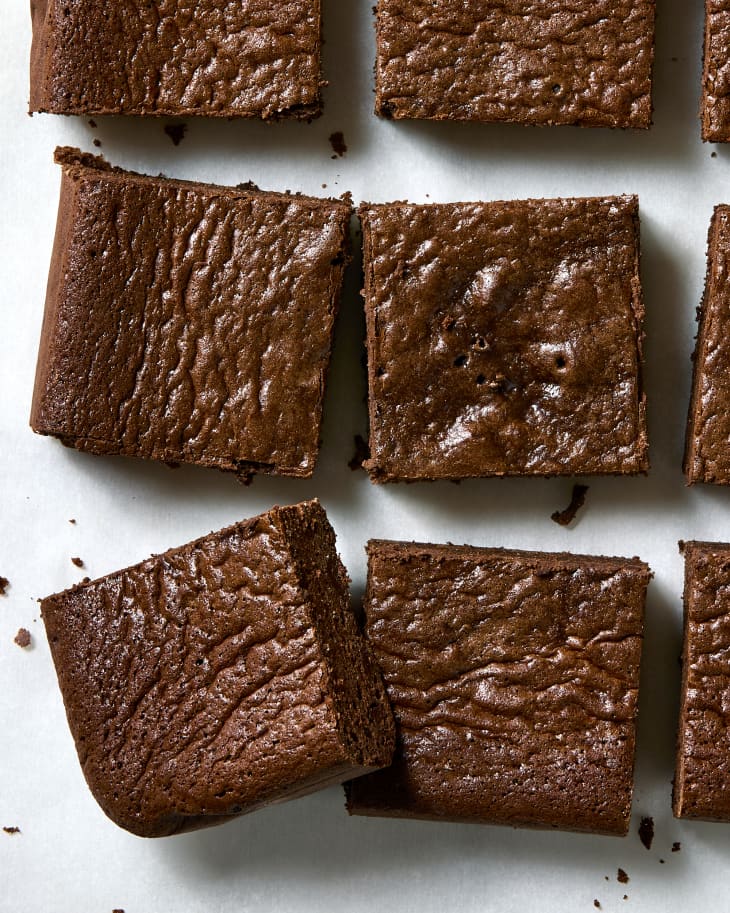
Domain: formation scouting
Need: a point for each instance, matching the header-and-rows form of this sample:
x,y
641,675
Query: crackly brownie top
x,y
716,77
702,784
191,322
586,62
504,338
514,679
210,57
707,452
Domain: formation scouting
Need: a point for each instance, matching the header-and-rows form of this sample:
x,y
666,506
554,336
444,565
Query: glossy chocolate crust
x,y
702,778
504,339
514,680
715,103
252,58
188,322
220,676
582,62
707,444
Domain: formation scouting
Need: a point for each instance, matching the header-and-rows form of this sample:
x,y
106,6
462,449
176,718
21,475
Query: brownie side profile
x,y
707,443
702,778
484,360
581,62
715,102
252,58
220,676
188,322
514,680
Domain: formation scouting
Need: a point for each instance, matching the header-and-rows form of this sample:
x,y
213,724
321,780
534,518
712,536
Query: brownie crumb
x,y
362,453
77,561
622,877
4,584
22,638
248,185
97,143
661,862
11,830
339,146
597,904
92,124
626,897
117,911
577,500
646,831
86,580
176,132
676,847
713,155
72,521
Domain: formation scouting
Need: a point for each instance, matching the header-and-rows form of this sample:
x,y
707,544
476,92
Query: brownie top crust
x,y
707,446
514,680
252,58
702,781
189,322
715,105
504,338
583,62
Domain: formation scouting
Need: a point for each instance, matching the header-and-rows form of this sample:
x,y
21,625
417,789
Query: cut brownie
x,y
252,58
514,679
187,322
220,676
504,339
707,444
702,780
715,104
583,62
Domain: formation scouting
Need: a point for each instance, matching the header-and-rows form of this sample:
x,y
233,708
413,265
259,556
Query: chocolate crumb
x,y
97,143
597,904
324,186
11,830
248,185
4,584
339,146
577,500
362,453
77,561
72,521
713,155
92,124
86,580
622,877
646,831
626,897
676,847
117,911
661,862
176,132
22,638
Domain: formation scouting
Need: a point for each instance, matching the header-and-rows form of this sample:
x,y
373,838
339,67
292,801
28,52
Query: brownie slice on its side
x,y
702,778
188,322
504,339
514,680
582,62
252,58
707,444
715,104
219,677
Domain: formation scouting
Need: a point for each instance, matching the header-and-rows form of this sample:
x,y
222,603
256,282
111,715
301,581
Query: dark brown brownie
x,y
188,322
252,58
220,676
702,778
514,679
583,62
715,105
486,360
707,444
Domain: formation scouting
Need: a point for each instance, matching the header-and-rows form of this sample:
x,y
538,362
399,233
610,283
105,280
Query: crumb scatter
x,y
22,638
12,830
77,561
622,877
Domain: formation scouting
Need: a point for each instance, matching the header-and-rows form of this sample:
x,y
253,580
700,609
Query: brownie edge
x,y
220,676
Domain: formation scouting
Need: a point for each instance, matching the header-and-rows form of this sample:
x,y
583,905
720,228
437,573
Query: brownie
x,y
707,444
702,779
715,103
252,58
487,361
582,62
220,676
188,322
514,680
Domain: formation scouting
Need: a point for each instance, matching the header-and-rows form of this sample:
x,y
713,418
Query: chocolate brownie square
x,y
702,780
504,339
582,62
715,105
252,58
514,680
188,322
707,444
220,676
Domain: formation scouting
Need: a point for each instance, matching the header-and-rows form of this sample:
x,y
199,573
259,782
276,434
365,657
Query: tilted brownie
x,y
514,679
702,779
188,322
504,339
582,62
715,104
707,444
252,58
220,676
